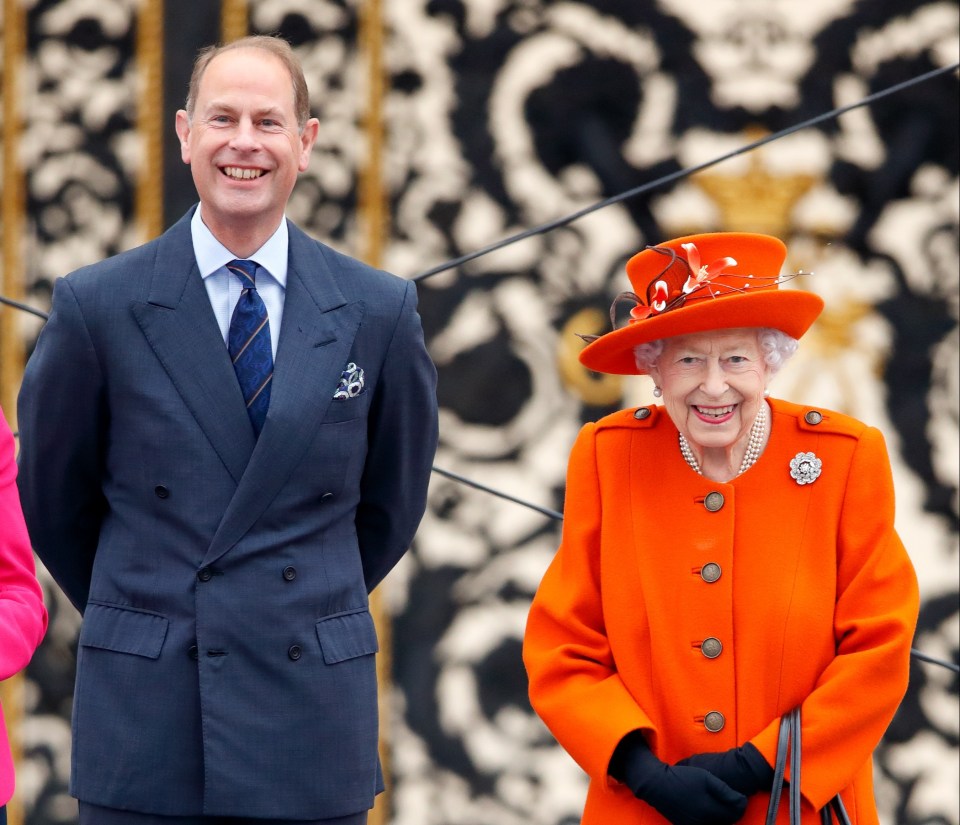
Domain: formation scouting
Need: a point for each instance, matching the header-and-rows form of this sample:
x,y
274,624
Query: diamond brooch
x,y
805,468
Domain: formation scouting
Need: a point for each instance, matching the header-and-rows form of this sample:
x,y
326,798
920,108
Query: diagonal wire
x,y
25,307
630,193
680,174
499,493
558,516
923,657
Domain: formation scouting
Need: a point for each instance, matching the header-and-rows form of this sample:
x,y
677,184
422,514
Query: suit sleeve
x,y
402,441
877,602
23,617
573,680
62,419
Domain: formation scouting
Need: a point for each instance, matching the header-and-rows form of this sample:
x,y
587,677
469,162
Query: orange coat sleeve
x,y
574,683
855,697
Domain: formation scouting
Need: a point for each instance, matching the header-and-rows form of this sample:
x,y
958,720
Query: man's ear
x,y
182,125
307,138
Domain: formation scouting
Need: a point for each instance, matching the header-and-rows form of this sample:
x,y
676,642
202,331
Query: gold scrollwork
x,y
596,389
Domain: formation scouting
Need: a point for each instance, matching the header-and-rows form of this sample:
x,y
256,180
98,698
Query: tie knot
x,y
245,271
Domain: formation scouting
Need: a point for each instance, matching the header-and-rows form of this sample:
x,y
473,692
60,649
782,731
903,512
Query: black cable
x,y
924,658
556,224
25,307
554,514
463,480
680,174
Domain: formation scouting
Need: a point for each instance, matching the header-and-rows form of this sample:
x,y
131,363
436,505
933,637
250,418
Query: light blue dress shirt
x,y
223,287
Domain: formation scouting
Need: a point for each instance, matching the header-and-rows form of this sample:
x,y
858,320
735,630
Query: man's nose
x,y
245,136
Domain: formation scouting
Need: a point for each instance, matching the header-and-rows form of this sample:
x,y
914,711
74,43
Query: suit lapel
x,y
178,323
316,337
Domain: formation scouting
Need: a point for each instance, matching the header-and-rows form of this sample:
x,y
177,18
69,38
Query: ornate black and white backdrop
x,y
499,116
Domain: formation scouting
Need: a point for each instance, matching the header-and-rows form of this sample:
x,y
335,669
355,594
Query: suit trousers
x,y
97,815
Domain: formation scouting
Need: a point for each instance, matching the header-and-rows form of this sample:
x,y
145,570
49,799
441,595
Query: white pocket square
x,y
351,382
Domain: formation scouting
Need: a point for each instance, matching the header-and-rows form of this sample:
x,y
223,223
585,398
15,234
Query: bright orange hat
x,y
722,280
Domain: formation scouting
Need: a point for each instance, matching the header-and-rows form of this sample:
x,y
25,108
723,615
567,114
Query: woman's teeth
x,y
715,412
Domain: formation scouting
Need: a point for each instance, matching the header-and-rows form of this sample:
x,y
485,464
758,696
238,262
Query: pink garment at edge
x,y
23,618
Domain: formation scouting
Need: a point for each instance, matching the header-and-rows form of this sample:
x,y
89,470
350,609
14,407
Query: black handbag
x,y
789,741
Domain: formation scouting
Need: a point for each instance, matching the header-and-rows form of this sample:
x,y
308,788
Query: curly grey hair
x,y
776,345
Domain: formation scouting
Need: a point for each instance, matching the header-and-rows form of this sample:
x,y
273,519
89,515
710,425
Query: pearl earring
x,y
657,392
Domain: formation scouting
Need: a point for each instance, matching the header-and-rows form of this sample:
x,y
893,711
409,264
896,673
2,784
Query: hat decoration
x,y
666,292
676,293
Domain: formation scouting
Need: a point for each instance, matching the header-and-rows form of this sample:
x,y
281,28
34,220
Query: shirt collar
x,y
212,255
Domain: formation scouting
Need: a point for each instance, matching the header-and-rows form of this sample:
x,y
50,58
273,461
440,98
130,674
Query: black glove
x,y
684,795
744,769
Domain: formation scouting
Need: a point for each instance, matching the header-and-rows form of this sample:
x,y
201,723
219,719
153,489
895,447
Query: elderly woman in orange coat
x,y
23,618
726,557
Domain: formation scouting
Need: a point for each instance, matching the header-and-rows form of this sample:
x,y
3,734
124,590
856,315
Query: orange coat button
x,y
714,721
711,648
710,572
713,501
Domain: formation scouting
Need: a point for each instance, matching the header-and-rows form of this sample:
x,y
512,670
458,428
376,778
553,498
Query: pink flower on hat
x,y
700,275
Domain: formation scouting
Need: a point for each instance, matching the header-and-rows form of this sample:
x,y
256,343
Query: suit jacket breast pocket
x,y
346,409
123,630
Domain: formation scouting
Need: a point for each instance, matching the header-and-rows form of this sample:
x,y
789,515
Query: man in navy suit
x,y
222,559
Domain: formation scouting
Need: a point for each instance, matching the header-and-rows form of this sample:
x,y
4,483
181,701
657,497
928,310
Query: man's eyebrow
x,y
223,106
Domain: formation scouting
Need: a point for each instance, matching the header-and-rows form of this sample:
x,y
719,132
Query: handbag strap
x,y
780,768
789,742
835,805
795,752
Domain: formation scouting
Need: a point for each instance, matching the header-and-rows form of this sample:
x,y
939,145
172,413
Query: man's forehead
x,y
216,88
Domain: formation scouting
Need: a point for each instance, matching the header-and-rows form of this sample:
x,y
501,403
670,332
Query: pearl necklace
x,y
750,457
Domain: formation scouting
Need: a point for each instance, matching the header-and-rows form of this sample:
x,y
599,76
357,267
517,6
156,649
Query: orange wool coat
x,y
815,605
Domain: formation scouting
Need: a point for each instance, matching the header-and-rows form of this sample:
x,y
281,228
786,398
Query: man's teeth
x,y
716,412
241,174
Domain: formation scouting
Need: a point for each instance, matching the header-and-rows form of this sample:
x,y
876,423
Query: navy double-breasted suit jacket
x,y
226,656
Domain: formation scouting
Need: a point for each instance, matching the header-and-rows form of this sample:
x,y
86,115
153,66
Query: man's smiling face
x,y
243,144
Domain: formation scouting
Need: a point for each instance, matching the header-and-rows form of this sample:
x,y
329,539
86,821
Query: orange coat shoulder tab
x,y
822,420
632,417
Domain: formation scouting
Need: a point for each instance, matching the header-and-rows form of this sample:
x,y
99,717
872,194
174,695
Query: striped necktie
x,y
249,344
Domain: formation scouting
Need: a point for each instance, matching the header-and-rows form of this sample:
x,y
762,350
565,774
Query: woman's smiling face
x,y
713,385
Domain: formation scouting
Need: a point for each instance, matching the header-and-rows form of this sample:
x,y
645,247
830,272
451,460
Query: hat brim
x,y
792,311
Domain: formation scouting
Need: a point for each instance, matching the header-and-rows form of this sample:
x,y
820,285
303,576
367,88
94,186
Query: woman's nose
x,y
714,381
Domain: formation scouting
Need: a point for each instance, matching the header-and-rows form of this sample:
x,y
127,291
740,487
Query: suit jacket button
x,y
714,721
204,574
161,491
642,413
713,501
193,652
295,652
289,573
326,497
710,572
711,648
813,417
